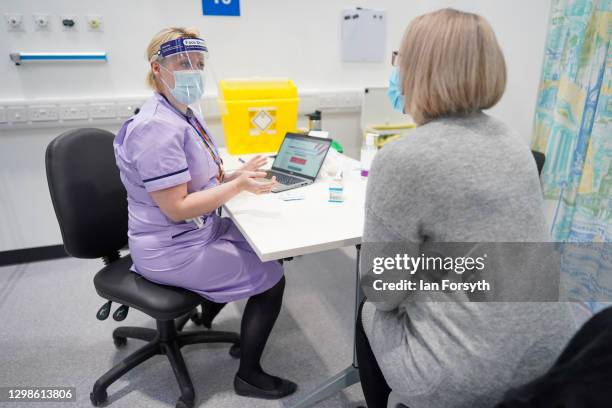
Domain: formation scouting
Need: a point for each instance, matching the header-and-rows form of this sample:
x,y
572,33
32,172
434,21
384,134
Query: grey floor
x,y
49,336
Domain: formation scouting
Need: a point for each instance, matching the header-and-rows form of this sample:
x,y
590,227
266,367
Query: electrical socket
x,y
16,114
43,113
102,111
74,112
349,100
339,100
327,101
14,21
125,110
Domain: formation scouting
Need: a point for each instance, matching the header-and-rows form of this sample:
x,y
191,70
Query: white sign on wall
x,y
364,34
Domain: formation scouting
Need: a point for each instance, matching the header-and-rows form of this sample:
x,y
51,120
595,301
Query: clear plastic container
x,y
368,151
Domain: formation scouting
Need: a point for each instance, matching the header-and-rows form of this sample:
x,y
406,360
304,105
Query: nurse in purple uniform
x,y
175,182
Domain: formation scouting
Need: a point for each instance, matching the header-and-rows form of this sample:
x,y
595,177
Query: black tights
x,y
375,388
259,316
258,319
210,310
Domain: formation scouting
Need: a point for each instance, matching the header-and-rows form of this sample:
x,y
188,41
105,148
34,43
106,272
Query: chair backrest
x,y
540,158
88,196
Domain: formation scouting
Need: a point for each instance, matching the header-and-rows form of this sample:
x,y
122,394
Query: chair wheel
x,y
98,398
119,341
234,351
181,403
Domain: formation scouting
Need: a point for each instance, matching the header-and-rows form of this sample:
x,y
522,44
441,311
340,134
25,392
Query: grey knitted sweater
x,y
459,179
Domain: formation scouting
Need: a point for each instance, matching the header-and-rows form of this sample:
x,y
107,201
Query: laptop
x,y
298,161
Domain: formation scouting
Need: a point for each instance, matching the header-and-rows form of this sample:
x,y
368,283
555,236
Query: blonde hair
x,y
167,34
450,64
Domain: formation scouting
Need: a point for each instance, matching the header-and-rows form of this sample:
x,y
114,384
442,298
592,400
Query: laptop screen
x,y
301,155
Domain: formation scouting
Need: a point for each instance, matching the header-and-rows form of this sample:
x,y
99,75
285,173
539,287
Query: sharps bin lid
x,y
246,89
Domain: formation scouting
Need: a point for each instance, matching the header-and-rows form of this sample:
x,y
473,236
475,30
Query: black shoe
x,y
247,390
234,351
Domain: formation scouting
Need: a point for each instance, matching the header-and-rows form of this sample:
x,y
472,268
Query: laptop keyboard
x,y
286,179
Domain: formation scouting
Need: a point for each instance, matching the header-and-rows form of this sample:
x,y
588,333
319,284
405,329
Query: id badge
x,y
198,221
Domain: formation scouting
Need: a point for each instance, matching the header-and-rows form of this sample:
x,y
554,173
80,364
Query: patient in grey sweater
x,y
459,179
460,176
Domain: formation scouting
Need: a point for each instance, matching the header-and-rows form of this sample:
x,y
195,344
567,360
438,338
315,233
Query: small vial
x,y
336,189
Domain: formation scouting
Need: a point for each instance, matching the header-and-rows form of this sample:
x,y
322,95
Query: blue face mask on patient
x,y
395,92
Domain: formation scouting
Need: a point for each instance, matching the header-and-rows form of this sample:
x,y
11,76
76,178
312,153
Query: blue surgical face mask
x,y
395,92
188,86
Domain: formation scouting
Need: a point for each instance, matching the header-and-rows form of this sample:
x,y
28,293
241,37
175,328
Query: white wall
x,y
299,40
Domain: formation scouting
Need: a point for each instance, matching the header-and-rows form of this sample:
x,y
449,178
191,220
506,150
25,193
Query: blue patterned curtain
x,y
573,126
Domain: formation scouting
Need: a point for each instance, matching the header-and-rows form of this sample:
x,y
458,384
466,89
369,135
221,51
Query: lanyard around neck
x,y
209,146
195,123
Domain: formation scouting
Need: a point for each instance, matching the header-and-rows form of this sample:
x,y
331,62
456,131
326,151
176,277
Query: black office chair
x,y
540,158
91,207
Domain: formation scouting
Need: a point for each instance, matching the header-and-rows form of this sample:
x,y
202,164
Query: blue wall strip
x,y
63,57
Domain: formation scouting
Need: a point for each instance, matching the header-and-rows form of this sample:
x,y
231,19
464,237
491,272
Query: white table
x,y
278,229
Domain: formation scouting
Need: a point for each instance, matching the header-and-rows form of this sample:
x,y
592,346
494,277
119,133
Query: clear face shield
x,y
185,67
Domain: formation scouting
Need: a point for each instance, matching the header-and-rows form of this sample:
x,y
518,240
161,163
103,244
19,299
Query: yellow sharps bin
x,y
256,113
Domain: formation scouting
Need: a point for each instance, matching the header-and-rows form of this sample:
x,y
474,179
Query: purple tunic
x,y
160,148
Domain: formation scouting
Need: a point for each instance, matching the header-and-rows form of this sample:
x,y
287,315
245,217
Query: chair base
x,y
168,340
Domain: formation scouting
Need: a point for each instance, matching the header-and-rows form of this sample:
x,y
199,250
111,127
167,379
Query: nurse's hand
x,y
255,163
255,182
252,165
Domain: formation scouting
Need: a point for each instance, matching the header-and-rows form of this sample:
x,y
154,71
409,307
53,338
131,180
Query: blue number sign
x,y
221,7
